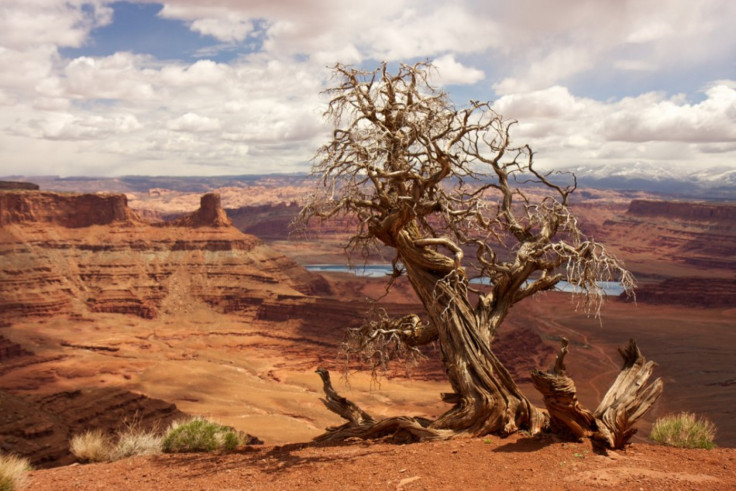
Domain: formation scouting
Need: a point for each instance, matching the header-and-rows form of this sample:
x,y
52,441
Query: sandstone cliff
x,y
64,210
675,238
684,210
75,253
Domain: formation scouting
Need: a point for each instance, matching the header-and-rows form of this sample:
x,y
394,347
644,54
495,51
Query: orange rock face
x,y
675,239
65,254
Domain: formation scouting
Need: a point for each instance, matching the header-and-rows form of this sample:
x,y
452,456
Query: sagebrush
x,y
684,430
200,435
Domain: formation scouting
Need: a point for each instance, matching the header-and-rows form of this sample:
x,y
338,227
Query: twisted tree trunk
x,y
485,397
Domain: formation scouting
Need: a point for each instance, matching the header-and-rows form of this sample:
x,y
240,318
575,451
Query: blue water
x,y
379,270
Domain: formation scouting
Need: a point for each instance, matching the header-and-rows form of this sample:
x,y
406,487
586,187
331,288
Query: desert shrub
x,y
684,430
91,446
95,446
200,435
136,442
13,472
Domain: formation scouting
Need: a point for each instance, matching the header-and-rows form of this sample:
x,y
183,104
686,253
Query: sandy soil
x,y
517,462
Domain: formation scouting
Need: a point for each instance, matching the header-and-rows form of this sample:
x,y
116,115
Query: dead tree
x,y
435,182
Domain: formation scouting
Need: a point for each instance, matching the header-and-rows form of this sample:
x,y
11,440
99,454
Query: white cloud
x,y
65,126
451,72
549,43
651,128
193,123
231,28
118,76
201,73
25,23
555,102
651,118
262,110
225,24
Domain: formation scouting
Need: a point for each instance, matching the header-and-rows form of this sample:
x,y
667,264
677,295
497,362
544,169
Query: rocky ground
x,y
517,462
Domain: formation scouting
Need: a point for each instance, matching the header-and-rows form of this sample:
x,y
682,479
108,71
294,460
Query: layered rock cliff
x,y
675,238
75,253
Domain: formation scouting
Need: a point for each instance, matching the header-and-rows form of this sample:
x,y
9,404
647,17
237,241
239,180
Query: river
x,y
611,288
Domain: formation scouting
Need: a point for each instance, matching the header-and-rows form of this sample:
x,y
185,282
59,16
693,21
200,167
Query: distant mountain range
x,y
711,184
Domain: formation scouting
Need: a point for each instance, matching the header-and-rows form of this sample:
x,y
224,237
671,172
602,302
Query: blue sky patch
x,y
139,29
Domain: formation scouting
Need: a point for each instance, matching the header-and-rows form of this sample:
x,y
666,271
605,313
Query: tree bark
x,y
485,397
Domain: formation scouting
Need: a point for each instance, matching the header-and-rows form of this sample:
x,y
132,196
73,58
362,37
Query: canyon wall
x,y
70,254
674,238
684,210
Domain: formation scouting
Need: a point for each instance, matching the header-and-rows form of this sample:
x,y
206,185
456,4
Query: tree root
x,y
611,424
628,399
401,429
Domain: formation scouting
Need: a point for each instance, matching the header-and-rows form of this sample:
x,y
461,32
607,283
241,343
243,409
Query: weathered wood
x,y
434,182
362,425
560,398
628,399
340,405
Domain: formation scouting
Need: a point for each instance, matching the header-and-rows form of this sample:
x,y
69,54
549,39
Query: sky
x,y
228,87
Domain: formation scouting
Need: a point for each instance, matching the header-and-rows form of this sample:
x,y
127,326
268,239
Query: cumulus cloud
x,y
550,43
652,118
118,76
221,23
451,72
26,23
65,126
651,128
262,110
193,123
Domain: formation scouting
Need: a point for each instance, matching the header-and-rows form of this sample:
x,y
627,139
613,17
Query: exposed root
x,y
401,429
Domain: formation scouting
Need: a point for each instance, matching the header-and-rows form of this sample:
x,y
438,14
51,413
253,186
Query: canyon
x,y
163,302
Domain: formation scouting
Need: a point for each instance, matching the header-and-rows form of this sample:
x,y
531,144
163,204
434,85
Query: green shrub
x,y
13,472
200,435
684,430
91,446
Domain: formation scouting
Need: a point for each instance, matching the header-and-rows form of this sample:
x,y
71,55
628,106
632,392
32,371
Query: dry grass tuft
x,y
684,430
91,446
136,443
13,472
94,446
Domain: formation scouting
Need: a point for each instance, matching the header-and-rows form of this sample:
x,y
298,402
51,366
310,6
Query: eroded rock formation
x,y
675,238
73,253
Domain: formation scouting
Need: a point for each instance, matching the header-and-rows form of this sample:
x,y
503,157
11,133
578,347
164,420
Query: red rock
x,y
67,254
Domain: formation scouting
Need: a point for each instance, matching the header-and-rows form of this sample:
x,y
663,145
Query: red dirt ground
x,y
517,462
